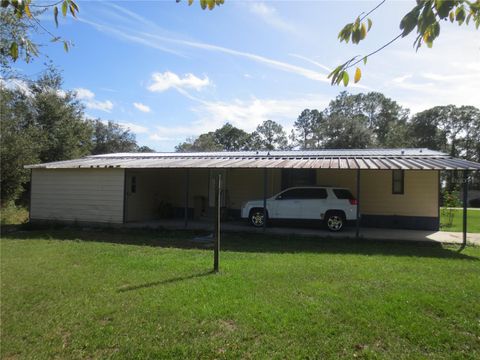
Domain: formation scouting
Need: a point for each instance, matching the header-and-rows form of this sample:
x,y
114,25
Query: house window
x,y
398,181
133,185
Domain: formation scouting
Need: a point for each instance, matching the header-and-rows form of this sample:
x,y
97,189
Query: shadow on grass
x,y
242,242
163,282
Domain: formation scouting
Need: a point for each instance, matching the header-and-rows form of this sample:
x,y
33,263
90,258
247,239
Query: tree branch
x,y
374,52
371,11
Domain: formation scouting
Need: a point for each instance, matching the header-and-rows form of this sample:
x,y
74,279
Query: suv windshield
x,y
343,194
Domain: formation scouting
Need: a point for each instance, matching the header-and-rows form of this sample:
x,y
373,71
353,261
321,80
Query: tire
x,y
256,217
335,221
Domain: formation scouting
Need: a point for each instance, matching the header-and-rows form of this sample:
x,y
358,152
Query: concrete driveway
x,y
443,237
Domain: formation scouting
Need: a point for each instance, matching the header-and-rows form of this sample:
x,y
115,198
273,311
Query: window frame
x,y
401,181
133,184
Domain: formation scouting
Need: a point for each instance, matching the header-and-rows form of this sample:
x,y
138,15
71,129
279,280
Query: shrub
x,y
450,200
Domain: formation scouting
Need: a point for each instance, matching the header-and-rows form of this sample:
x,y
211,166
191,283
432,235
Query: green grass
x,y
13,215
150,295
473,221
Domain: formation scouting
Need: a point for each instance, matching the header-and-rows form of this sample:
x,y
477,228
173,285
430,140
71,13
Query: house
x,y
397,188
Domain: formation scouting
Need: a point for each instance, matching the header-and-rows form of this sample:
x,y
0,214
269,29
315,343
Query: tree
x,y
144,149
306,129
59,115
450,129
425,17
386,120
346,132
454,130
231,138
17,148
205,142
269,136
112,138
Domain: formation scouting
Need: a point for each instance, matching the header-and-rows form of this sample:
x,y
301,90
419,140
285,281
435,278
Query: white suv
x,y
333,205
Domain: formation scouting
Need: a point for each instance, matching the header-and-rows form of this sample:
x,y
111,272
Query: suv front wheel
x,y
257,217
335,221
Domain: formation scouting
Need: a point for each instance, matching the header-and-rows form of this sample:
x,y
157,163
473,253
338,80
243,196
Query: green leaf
x,y
365,60
64,8
345,78
369,24
468,19
358,75
5,3
203,4
451,16
14,51
27,10
410,21
460,15
443,7
65,46
72,3
363,31
55,15
72,11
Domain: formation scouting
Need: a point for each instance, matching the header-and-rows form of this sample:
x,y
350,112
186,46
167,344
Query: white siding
x,y
93,195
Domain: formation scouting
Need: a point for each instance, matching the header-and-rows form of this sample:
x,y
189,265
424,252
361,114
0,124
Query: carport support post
x,y
357,225
265,180
465,200
187,185
216,247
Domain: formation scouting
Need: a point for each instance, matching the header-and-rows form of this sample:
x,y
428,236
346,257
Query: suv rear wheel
x,y
335,221
257,217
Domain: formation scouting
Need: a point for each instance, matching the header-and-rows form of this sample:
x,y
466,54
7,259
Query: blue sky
x,y
169,71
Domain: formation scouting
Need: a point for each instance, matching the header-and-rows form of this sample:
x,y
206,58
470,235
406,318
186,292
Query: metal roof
x,y
368,159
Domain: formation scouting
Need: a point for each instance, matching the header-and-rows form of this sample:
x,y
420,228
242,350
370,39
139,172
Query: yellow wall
x,y
419,199
168,185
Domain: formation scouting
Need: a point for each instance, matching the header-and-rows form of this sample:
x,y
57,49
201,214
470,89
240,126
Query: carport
x,y
395,188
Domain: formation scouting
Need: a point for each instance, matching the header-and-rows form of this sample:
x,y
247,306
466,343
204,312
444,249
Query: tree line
x,y
359,121
41,122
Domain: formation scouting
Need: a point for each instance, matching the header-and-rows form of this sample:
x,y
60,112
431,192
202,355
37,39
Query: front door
x,y
288,205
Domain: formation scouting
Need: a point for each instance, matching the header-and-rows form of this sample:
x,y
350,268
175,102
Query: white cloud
x,y
311,61
168,79
244,114
16,84
445,74
88,98
133,127
141,107
270,16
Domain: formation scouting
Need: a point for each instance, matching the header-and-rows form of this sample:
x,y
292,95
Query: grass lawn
x,y
149,295
473,221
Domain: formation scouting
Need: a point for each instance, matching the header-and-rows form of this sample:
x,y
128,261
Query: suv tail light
x,y
353,201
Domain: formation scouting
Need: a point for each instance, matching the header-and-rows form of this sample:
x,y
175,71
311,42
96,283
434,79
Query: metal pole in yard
x,y
187,185
216,249
465,200
357,230
265,178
